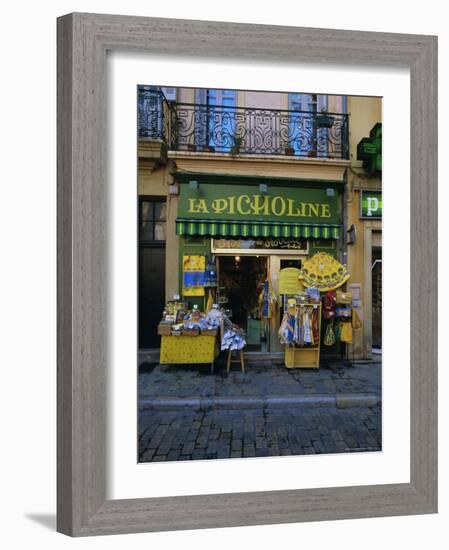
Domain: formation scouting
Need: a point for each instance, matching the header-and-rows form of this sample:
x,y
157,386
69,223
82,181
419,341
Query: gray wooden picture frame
x,y
83,41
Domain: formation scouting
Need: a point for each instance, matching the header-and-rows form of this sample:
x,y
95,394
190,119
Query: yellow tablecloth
x,y
189,349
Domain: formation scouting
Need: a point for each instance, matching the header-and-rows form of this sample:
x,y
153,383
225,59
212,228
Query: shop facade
x,y
251,229
258,210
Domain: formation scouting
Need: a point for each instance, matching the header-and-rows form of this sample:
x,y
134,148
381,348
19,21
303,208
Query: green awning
x,y
220,228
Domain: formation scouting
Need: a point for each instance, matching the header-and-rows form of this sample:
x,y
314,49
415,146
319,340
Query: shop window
x,y
152,220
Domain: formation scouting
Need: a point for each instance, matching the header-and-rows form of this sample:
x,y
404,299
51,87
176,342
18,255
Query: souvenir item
x,y
210,301
344,297
313,294
210,280
286,330
346,333
329,337
324,272
266,299
233,338
315,325
193,268
329,302
356,321
343,311
307,328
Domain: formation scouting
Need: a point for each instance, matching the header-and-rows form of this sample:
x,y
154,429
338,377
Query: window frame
x,y
154,200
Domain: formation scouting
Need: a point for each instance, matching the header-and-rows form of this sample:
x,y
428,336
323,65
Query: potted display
x,y
289,151
237,142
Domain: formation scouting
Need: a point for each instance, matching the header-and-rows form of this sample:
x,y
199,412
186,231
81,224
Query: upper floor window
x,y
215,119
152,219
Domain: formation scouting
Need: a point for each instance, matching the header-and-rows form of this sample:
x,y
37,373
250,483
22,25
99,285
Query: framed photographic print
x,y
246,335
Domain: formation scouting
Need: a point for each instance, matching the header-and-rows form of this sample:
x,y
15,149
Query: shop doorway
x,y
152,232
376,298
241,280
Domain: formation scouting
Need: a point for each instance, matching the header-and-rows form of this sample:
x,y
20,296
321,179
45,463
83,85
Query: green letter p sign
x,y
371,204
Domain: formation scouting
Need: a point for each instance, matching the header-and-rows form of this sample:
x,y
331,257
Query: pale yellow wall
x,y
264,100
152,183
364,113
172,249
156,184
260,165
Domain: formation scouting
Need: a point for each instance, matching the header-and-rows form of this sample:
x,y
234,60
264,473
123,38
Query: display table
x,y
189,349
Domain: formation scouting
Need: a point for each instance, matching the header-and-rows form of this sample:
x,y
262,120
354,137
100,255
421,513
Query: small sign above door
x,y
261,246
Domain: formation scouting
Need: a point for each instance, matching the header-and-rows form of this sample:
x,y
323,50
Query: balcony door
x,y
215,119
305,137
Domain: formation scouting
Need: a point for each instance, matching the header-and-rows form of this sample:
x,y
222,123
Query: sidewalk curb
x,y
273,402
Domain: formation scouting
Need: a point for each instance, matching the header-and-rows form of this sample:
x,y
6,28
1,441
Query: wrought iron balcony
x,y
242,130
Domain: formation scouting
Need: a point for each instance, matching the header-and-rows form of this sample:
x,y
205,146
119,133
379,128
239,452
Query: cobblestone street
x,y
176,435
187,414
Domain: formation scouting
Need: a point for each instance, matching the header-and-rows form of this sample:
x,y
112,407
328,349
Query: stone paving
x,y
185,413
176,435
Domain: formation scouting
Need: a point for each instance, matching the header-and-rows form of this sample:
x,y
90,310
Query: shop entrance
x,y
376,298
241,280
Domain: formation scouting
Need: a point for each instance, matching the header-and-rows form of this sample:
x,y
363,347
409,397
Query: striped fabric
x,y
255,229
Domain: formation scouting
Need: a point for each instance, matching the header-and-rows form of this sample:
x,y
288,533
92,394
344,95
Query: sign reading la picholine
x,y
244,202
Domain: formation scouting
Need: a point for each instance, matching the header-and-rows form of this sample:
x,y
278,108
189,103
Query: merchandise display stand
x,y
305,356
187,350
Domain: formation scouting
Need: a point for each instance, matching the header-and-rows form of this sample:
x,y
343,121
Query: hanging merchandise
x,y
266,296
298,334
346,333
210,280
193,268
315,325
313,294
329,337
307,331
343,311
329,302
356,321
210,300
286,330
338,331
344,297
324,272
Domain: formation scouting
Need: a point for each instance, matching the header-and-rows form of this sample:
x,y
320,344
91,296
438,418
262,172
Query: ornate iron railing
x,y
154,114
235,130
